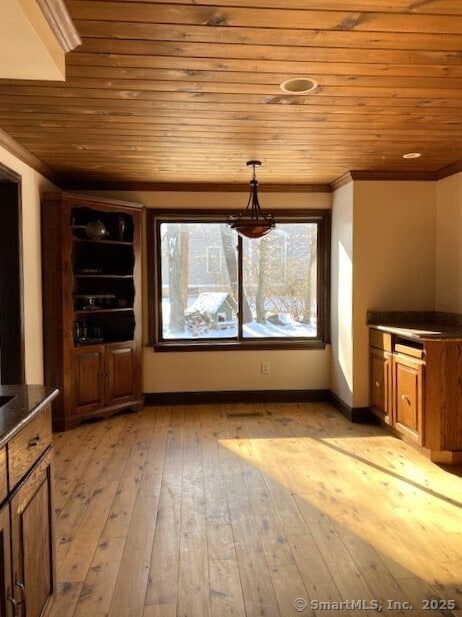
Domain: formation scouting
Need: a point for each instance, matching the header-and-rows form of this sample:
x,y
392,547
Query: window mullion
x,y
240,295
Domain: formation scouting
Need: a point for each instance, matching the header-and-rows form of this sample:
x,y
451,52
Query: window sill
x,y
165,346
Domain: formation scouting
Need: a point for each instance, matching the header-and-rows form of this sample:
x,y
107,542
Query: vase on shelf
x,y
96,230
121,227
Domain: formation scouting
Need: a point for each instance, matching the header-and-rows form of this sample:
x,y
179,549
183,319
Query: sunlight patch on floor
x,y
396,506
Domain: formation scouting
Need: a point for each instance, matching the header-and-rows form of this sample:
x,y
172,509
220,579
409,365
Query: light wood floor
x,y
188,512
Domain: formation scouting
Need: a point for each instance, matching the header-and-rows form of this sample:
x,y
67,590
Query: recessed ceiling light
x,y
299,85
412,155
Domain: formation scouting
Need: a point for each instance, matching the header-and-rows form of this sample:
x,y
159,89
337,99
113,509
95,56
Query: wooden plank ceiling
x,y
188,91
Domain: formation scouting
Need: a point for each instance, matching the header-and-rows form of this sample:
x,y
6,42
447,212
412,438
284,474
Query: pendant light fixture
x,y
252,222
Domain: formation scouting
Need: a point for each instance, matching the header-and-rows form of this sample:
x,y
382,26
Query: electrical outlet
x,y
265,368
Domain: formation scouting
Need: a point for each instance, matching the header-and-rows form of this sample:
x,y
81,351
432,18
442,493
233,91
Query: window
x,y
210,287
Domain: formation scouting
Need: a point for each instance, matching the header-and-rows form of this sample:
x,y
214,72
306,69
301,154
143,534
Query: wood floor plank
x,y
290,591
130,589
162,588
76,564
160,610
96,596
66,599
317,578
78,460
192,511
193,581
225,589
220,542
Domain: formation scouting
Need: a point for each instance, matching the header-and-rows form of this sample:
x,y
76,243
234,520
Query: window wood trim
x,y
156,216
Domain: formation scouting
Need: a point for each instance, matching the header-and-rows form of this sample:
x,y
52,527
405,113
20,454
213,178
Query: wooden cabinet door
x,y
380,386
121,375
32,540
408,400
89,376
6,599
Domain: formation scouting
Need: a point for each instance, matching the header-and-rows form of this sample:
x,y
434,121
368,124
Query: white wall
x,y
32,184
235,370
392,229
342,294
448,295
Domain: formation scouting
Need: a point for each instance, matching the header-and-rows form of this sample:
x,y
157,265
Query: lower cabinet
x,y
396,384
6,598
105,376
416,387
380,385
27,562
408,399
31,540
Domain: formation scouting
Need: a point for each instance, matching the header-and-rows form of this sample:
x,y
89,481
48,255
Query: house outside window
x,y
209,287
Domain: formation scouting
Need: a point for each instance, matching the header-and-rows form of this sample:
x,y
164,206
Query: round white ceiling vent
x,y
299,85
412,155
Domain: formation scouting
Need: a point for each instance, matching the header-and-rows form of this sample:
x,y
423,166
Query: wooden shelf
x,y
104,276
91,291
90,241
102,310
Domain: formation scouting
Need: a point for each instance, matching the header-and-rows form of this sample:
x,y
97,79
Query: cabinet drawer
x,y
408,350
381,340
28,445
3,475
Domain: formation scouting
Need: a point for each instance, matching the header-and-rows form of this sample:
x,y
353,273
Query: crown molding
x,y
450,170
341,181
60,22
13,147
192,187
398,176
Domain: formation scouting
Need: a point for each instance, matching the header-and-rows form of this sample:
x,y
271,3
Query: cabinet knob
x,y
378,384
404,397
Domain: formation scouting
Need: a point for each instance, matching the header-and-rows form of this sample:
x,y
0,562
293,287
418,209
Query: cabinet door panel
x,y
121,373
89,379
380,386
5,563
408,397
32,534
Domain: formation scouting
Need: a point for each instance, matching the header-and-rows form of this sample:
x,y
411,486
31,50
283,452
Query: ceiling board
x,y
186,92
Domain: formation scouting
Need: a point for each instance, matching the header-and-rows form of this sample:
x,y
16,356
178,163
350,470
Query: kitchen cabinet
x,y
105,376
416,385
91,255
408,399
380,384
27,559
31,540
6,598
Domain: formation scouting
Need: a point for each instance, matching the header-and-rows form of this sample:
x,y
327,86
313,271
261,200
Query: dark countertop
x,y
429,331
26,402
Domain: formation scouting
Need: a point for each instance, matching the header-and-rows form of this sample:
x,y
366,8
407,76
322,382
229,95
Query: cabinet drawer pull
x,y
378,384
33,442
404,397
21,586
14,604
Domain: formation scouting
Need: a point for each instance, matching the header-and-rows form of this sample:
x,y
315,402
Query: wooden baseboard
x,y
446,457
237,396
354,414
